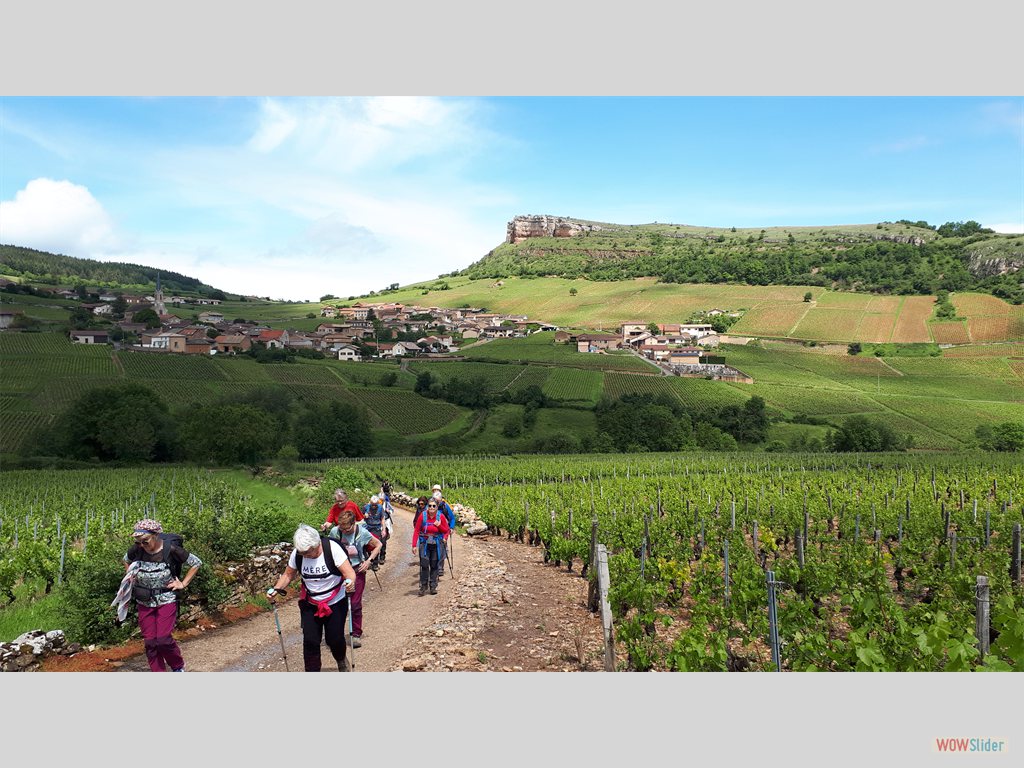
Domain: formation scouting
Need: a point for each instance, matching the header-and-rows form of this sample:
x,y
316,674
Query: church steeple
x,y
158,298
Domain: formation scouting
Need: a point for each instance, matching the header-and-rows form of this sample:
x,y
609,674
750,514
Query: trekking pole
x,y
280,637
451,559
378,579
353,645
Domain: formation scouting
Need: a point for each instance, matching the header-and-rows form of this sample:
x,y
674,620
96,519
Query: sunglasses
x,y
432,506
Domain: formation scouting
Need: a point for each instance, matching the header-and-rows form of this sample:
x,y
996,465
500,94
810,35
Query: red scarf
x,y
322,608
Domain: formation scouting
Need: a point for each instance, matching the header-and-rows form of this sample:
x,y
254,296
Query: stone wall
x,y
464,516
245,579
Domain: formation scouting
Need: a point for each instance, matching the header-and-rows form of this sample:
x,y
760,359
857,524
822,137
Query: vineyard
x,y
803,563
405,412
67,531
539,348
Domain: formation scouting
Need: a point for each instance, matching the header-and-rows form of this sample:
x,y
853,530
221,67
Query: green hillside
x,y
891,258
31,266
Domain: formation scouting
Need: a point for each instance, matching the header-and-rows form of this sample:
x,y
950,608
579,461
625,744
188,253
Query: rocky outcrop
x,y
524,227
984,265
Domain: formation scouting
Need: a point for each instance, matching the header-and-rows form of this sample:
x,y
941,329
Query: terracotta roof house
x,y
232,343
594,342
199,346
273,339
165,340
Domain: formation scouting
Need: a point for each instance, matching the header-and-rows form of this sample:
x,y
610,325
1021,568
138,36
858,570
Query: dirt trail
x,y
390,617
504,610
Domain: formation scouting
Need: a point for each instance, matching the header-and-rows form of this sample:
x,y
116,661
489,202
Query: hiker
x,y
375,518
327,578
428,537
385,495
363,549
155,584
421,505
447,511
341,502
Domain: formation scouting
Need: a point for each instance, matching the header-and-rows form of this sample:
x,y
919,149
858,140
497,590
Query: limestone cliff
x,y
524,227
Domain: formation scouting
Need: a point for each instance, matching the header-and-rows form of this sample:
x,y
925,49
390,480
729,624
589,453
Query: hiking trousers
x,y
428,566
156,625
330,628
356,598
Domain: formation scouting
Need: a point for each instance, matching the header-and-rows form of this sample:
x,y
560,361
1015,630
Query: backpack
x,y
170,540
328,558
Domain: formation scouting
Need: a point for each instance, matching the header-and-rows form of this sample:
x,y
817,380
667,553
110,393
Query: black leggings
x,y
332,628
428,565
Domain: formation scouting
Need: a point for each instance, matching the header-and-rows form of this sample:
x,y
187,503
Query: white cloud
x,y
349,134
1004,116
56,216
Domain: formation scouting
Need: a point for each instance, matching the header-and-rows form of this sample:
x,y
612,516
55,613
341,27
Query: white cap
x,y
437,495
436,488
375,499
306,538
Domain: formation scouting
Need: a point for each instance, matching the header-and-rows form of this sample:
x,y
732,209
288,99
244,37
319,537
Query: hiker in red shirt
x,y
341,503
429,534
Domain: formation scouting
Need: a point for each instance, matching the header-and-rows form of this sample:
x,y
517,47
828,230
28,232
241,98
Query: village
x,y
381,331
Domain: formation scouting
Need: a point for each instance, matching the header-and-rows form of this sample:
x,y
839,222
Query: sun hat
x,y
147,526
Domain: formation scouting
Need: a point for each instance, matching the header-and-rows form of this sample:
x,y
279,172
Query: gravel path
x,y
390,618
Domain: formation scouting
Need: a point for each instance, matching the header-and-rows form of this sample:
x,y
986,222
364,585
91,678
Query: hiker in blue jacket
x,y
444,508
375,517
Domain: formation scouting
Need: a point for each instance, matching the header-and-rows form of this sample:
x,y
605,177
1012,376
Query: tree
x,y
424,382
334,430
858,433
653,328
573,291
853,349
389,379
1006,436
128,422
147,316
230,434
808,296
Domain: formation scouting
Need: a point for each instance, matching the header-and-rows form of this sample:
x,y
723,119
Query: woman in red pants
x,y
157,584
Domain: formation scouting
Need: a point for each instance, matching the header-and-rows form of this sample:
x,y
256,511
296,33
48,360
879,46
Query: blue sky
x,y
296,197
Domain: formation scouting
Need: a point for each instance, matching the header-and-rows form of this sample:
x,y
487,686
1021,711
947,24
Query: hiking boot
x,y
374,565
178,670
355,642
343,665
423,591
433,590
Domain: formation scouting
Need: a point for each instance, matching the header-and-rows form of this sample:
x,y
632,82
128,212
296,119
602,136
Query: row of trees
x,y
130,423
55,269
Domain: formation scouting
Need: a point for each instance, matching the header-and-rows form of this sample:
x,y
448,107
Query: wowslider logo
x,y
974,745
